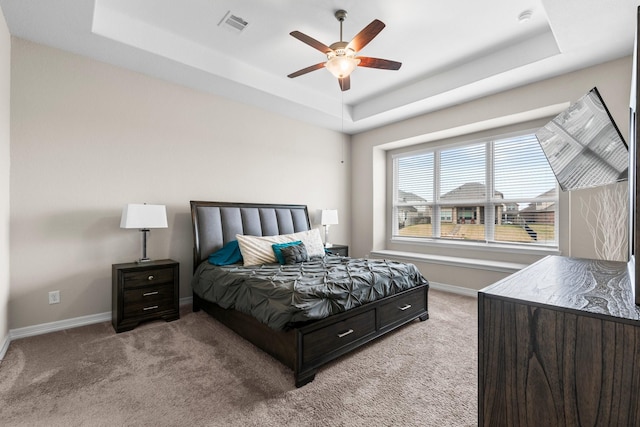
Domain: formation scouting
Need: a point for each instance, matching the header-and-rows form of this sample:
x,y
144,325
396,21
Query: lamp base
x,y
145,233
326,236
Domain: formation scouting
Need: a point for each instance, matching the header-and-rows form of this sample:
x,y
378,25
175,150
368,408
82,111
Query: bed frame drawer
x,y
337,335
404,307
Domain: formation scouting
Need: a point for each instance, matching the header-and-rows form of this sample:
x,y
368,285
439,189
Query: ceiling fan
x,y
341,56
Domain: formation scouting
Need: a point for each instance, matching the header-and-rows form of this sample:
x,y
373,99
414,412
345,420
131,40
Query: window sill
x,y
499,266
539,250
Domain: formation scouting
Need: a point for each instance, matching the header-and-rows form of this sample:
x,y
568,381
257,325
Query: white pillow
x,y
312,241
257,249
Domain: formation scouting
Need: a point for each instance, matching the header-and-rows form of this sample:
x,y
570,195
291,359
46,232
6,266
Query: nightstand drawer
x,y
150,309
148,299
135,279
337,250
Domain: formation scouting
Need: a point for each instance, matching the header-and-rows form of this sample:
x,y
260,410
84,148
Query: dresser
x,y
144,291
559,345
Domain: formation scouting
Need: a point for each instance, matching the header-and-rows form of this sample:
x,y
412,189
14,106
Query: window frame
x,y
489,203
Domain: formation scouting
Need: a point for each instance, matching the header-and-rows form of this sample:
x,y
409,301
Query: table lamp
x,y
328,218
144,217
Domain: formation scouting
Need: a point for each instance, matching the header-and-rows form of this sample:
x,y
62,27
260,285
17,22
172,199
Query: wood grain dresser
x,y
559,345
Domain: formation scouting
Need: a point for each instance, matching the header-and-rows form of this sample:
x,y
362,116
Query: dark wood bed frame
x,y
305,347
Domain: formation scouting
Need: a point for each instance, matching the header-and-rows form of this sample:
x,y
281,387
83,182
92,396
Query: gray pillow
x,y
295,254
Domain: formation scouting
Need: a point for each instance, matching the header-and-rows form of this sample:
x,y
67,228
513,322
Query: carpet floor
x,y
196,372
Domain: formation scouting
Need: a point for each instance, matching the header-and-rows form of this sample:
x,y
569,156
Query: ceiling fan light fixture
x,y
341,55
341,63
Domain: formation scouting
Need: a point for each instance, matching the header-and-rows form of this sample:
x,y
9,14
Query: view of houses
x,y
534,222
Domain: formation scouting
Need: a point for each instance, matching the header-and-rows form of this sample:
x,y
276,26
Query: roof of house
x,y
406,196
470,190
542,206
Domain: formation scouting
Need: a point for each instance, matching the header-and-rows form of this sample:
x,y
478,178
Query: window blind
x,y
501,190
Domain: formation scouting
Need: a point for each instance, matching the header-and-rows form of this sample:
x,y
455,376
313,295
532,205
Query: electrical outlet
x,y
54,297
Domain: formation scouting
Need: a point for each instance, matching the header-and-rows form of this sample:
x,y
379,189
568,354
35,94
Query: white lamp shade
x,y
329,217
144,216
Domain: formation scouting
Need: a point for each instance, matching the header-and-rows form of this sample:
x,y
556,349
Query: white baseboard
x,y
460,290
4,346
59,325
45,328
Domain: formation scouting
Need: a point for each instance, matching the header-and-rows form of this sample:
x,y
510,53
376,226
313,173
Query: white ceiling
x,y
451,52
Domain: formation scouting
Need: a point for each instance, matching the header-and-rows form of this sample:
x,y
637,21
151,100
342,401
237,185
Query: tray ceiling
x,y
451,52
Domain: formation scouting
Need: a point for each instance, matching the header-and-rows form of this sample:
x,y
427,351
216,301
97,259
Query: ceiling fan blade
x,y
385,64
366,35
311,42
306,70
345,83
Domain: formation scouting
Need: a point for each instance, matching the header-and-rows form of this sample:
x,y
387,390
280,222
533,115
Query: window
x,y
496,191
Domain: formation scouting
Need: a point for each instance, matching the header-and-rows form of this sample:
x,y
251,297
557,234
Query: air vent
x,y
233,22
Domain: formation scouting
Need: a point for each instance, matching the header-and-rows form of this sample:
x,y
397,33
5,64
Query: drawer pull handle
x,y
150,277
153,307
406,307
344,334
146,294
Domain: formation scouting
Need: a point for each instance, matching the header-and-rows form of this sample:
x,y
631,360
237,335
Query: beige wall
x,y
489,114
5,89
87,138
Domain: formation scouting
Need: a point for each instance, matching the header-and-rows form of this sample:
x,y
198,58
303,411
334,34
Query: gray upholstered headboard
x,y
217,223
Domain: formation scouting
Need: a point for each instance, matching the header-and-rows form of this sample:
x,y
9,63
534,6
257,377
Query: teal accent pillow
x,y
277,249
228,254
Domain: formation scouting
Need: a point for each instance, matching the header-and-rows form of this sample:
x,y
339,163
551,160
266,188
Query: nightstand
x,y
339,250
144,291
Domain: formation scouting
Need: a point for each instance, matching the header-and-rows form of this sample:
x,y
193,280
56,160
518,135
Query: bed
x,y
332,310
